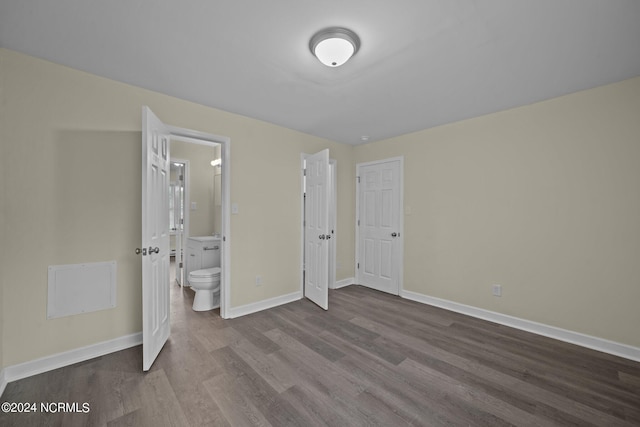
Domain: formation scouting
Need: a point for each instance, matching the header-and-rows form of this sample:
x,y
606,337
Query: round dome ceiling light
x,y
334,46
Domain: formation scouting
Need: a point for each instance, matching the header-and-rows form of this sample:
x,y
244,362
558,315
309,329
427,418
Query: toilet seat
x,y
205,273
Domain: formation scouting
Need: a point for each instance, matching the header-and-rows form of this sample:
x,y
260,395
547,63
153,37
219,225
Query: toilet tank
x,y
211,254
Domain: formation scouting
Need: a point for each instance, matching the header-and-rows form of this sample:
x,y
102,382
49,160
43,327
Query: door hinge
x,y
358,266
304,172
358,178
180,265
358,223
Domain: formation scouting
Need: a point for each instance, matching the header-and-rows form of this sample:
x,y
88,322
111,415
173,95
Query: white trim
x,y
303,157
583,340
59,360
243,310
3,382
345,282
225,177
333,222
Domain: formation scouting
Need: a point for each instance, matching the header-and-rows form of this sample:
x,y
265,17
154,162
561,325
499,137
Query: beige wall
x,y
3,204
200,185
71,153
217,194
541,199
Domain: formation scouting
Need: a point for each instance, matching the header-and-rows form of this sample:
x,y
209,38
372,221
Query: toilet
x,y
203,271
206,283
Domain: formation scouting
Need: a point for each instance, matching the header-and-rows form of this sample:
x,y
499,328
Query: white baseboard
x,y
344,282
55,361
3,382
243,310
588,341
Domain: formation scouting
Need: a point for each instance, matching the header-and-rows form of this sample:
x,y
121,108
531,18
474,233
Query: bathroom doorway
x,y
194,197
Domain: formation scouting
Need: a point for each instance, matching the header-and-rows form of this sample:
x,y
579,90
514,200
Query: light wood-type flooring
x,y
373,359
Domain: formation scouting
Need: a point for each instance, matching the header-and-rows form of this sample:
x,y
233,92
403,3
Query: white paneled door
x,y
316,233
379,256
155,236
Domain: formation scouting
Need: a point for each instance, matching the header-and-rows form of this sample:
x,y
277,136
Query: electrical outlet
x,y
496,290
258,280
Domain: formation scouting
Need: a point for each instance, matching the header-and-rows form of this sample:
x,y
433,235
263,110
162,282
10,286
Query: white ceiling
x,y
422,63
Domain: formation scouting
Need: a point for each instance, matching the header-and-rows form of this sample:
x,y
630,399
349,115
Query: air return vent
x,y
81,288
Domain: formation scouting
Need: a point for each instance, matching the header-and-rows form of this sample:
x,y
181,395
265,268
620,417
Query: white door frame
x,y
333,220
333,164
203,138
400,218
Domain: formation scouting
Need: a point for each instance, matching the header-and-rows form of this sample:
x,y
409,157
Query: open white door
x,y
317,235
155,236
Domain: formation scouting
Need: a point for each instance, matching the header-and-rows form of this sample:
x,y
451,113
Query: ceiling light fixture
x,y
334,46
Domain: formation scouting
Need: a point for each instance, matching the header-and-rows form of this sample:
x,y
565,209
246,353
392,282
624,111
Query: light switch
x,y
194,206
234,208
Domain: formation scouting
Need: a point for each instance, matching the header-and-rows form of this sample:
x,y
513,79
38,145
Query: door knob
x,y
152,250
394,234
321,237
142,251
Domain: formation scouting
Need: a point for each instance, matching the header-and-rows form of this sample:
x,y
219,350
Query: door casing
x,y
203,138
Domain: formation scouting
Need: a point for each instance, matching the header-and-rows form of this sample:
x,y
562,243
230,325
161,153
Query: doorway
x,y
196,170
206,200
379,224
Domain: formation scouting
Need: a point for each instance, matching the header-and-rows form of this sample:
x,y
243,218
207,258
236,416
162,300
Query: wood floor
x,y
372,359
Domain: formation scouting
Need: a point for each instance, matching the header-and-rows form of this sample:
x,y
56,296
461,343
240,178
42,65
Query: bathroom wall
x,y
217,194
200,186
71,156
541,199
